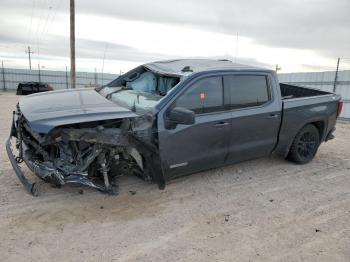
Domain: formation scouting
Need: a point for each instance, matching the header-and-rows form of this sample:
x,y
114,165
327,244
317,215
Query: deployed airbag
x,y
147,82
165,84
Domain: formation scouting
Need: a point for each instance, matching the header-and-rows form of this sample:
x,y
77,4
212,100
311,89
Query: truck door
x,y
256,114
191,148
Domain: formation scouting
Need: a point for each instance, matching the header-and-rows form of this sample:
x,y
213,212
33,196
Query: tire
x,y
305,145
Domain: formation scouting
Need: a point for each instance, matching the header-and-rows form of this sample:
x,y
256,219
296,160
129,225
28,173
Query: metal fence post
x,y
66,78
3,75
95,77
336,76
39,72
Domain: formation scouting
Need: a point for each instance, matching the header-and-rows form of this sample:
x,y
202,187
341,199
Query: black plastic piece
x,y
186,69
30,187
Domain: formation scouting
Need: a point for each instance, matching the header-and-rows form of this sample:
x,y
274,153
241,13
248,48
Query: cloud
x,y
85,48
319,26
322,25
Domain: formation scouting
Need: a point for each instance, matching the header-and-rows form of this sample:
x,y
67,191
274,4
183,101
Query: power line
x,y
36,35
45,22
47,19
31,23
48,13
40,29
54,17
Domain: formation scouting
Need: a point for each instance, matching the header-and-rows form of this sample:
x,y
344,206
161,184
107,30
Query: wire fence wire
x,y
326,81
10,78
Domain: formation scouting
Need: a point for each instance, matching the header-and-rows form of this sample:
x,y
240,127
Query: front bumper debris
x,y
83,154
45,170
51,174
30,187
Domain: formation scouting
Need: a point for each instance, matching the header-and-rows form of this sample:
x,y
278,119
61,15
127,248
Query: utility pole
x,y
67,86
72,43
278,68
29,52
39,73
103,63
336,76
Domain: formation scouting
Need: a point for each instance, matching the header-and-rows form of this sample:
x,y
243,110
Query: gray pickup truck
x,y
167,119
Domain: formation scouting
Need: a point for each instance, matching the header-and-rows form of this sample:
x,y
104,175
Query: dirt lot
x,y
262,210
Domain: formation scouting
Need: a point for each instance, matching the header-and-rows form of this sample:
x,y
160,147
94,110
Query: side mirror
x,y
180,115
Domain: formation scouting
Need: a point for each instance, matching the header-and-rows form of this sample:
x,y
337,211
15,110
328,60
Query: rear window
x,y
247,90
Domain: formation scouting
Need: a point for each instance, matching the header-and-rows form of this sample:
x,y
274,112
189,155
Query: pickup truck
x,y
167,119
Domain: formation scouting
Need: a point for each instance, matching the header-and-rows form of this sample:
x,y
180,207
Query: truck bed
x,y
292,91
301,106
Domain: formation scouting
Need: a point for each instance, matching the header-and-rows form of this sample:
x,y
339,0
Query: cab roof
x,y
186,67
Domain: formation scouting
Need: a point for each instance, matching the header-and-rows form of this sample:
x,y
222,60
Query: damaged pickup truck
x,y
167,119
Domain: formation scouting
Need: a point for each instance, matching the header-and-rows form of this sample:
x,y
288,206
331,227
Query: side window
x,y
247,90
204,96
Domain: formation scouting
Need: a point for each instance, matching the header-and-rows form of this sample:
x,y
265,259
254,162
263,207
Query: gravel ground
x,y
262,210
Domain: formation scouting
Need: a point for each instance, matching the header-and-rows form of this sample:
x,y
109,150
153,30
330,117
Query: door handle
x,y
273,116
221,124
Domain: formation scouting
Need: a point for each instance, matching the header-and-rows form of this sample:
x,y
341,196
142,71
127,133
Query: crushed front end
x,y
93,154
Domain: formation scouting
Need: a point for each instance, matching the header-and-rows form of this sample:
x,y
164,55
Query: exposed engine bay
x,y
93,153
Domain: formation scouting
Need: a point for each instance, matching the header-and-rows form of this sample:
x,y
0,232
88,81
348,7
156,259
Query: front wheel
x,y
305,145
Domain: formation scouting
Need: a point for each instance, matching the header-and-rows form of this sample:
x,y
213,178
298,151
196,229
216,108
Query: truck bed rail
x,y
292,91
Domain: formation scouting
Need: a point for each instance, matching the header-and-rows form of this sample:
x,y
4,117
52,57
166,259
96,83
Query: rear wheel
x,y
305,145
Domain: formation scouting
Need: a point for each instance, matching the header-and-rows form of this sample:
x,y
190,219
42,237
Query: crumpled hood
x,y
45,111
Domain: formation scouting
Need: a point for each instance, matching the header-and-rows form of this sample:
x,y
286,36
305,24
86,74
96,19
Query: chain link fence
x,y
10,78
330,81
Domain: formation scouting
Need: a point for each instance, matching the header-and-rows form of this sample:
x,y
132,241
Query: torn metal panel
x,y
100,135
91,137
30,187
90,154
45,111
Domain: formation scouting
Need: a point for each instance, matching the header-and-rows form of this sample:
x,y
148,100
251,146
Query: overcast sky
x,y
299,35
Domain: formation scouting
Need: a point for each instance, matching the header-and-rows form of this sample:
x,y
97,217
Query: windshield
x,y
137,101
139,91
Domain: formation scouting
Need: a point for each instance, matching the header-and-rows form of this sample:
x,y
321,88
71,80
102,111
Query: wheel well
x,y
320,127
